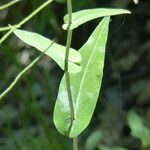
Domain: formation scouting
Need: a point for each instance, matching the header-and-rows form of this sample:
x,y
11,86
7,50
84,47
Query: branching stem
x,y
12,28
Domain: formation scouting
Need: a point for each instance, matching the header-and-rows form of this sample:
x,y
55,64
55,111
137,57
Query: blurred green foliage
x,y
26,113
138,129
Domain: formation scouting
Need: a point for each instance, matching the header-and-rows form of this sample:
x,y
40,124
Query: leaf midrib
x,y
83,77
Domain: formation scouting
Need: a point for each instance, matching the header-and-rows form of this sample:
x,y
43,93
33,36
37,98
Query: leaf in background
x,y
61,1
138,129
56,51
93,140
136,1
83,16
118,148
85,85
105,147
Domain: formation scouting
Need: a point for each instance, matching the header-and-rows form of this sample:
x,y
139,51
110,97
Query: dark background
x,y
26,112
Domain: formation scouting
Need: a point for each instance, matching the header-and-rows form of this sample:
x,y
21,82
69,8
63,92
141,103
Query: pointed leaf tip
x,y
83,16
85,85
56,51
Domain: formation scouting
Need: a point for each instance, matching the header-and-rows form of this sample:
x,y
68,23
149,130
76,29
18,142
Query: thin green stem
x,y
18,78
69,5
21,74
5,28
9,4
6,35
34,13
12,28
75,143
67,75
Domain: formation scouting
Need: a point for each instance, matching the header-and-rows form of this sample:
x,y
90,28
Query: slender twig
x,y
22,73
23,21
67,75
9,4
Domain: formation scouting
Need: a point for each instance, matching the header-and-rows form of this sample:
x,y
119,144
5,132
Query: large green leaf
x,y
83,16
56,51
85,85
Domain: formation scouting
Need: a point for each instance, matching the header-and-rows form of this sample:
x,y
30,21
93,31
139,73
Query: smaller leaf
x,y
118,148
61,1
56,51
93,140
138,129
84,16
136,1
104,147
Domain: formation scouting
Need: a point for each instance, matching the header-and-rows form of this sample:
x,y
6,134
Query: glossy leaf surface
x,y
85,85
83,16
56,51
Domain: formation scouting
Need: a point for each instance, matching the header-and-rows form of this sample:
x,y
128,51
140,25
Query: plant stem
x,y
6,35
9,4
22,73
5,28
18,78
67,75
34,12
12,28
75,143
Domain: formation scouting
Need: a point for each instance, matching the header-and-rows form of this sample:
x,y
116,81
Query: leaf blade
x,y
56,51
83,16
85,85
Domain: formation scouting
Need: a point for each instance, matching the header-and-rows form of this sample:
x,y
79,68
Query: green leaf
x,y
138,129
119,148
104,147
84,16
93,140
56,51
61,1
136,1
85,85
